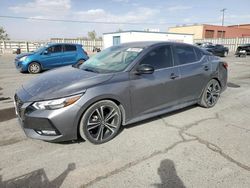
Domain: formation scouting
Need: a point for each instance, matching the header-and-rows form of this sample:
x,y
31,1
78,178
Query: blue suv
x,y
51,56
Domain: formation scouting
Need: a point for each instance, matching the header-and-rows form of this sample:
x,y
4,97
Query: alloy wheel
x,y
212,93
34,68
101,122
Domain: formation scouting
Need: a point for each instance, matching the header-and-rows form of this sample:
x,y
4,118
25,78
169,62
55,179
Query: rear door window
x,y
70,48
185,54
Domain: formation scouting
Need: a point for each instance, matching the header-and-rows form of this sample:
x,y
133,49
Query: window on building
x,y
221,34
116,40
209,33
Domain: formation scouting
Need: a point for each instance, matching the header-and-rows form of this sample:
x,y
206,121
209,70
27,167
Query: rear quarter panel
x,y
220,72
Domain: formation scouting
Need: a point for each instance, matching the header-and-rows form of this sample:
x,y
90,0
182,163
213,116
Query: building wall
x,y
196,30
242,26
146,36
213,31
229,32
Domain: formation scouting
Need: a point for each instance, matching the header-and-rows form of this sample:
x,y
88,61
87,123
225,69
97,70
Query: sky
x,y
147,14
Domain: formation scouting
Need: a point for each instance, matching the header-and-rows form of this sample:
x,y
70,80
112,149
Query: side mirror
x,y
145,69
45,52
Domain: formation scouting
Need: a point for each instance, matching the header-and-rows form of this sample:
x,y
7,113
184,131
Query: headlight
x,y
57,103
23,58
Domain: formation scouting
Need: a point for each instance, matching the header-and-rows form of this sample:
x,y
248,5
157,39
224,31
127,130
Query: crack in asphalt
x,y
181,132
218,150
238,127
134,163
233,125
209,145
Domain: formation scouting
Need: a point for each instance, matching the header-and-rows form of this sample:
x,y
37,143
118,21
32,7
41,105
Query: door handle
x,y
173,76
206,68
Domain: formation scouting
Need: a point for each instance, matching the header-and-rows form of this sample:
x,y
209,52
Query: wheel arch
x,y
217,79
95,100
35,61
212,78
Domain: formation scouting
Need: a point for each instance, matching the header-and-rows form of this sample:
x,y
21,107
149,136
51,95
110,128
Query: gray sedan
x,y
121,85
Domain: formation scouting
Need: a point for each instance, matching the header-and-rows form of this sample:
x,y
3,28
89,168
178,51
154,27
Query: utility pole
x,y
223,14
222,22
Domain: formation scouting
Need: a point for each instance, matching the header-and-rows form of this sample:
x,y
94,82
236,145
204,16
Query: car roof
x,y
50,44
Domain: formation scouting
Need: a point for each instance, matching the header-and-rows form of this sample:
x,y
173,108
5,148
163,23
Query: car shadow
x,y
160,116
7,114
37,178
69,142
168,175
79,140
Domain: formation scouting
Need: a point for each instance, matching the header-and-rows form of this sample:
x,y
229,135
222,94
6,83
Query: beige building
x,y
213,31
196,30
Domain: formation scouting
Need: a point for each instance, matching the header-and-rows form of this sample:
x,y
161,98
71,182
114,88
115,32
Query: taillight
x,y
225,65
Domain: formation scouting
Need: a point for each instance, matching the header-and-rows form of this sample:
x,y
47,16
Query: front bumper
x,y
36,123
20,65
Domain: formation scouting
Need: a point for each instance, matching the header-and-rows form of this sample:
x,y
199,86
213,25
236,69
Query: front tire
x,y
210,94
101,122
34,68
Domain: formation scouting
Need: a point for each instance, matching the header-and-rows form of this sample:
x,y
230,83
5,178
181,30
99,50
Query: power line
x,y
92,22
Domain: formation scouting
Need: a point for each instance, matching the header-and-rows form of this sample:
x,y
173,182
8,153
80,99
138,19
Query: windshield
x,y
113,59
41,48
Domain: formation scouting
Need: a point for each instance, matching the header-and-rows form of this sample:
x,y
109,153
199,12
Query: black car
x,y
243,49
217,49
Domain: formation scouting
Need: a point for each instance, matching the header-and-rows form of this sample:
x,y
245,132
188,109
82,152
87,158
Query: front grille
x,y
19,105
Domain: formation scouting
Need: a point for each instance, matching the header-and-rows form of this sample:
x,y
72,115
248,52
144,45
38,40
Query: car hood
x,y
62,82
23,55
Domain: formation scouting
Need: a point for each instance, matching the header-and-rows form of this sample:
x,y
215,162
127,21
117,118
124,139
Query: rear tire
x,y
210,94
34,68
101,122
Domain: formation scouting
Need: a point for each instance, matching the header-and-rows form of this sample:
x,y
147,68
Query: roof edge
x,y
137,31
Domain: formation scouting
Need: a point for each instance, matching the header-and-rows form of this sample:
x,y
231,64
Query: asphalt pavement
x,y
192,147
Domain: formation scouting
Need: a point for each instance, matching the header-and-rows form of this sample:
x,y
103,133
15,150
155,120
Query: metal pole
x,y
223,16
222,21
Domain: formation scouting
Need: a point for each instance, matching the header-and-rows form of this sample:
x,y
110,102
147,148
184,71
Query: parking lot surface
x,y
193,147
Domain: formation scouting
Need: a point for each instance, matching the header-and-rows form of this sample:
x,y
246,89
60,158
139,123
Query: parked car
x,y
118,86
243,49
51,56
217,49
201,44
